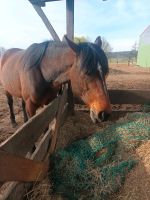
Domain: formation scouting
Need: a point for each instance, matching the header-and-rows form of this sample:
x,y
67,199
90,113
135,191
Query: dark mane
x,y
102,59
91,57
33,54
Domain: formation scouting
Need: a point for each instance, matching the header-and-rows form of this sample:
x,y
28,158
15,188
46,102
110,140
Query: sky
x,y
120,22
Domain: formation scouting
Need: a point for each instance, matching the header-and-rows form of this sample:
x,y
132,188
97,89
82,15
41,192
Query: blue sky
x,y
119,21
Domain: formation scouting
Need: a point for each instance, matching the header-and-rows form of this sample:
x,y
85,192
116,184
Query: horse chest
x,y
50,94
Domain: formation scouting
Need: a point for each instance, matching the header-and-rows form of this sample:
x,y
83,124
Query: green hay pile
x,y
93,168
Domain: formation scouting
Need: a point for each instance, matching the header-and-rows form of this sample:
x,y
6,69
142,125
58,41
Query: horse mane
x,y
34,54
102,59
91,56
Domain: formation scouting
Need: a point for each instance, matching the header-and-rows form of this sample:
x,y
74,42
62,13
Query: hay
x,y
77,127
93,168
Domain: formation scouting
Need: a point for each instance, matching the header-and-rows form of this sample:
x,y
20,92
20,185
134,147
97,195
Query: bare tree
x,y
81,39
133,53
106,45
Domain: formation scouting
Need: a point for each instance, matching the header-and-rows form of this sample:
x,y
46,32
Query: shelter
x,y
143,58
37,4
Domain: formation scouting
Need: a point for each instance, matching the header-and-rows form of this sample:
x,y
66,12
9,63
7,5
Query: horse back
x,y
8,53
10,71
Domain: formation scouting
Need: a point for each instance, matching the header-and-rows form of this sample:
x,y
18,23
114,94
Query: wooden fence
x,y
128,96
24,156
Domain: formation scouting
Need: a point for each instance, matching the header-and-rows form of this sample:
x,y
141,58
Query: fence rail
x,y
130,96
18,160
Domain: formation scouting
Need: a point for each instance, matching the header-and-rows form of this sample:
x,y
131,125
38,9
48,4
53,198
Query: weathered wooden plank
x,y
17,168
70,18
61,107
24,138
42,148
16,190
70,100
41,2
131,96
6,189
46,22
43,145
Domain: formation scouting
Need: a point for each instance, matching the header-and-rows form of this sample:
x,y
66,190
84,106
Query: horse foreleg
x,y
10,104
31,108
24,111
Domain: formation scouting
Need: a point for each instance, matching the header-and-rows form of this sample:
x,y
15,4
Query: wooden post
x,y
70,34
70,100
46,22
70,18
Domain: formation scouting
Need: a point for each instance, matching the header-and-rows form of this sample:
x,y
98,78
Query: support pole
x,y
70,18
46,22
70,34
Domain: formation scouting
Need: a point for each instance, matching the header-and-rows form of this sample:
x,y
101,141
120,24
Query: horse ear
x,y
75,47
98,41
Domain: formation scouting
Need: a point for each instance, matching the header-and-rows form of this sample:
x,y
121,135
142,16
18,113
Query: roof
x,y
40,2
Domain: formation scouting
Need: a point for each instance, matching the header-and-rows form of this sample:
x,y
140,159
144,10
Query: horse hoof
x,y
25,120
14,124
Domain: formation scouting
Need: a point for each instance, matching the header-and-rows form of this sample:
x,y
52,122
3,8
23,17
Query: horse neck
x,y
56,63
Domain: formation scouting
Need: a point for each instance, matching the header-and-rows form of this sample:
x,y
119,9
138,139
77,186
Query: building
x,y
143,58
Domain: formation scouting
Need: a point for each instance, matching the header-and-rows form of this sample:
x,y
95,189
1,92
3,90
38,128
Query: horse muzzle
x,y
99,117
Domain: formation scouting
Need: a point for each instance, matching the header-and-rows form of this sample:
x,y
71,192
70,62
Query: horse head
x,y
87,75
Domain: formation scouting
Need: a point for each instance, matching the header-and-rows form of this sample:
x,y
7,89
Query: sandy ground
x,y
121,77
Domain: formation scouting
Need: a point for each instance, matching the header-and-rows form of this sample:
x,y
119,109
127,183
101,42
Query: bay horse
x,y
37,74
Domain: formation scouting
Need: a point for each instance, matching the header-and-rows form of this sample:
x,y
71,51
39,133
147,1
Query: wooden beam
x,y
46,22
16,168
60,111
37,2
70,100
22,141
51,0
41,2
129,96
70,18
16,190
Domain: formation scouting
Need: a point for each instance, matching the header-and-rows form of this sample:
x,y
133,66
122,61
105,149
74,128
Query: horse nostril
x,y
103,116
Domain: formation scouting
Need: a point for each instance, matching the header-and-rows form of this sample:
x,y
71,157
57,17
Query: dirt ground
x,y
121,76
